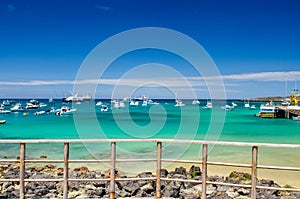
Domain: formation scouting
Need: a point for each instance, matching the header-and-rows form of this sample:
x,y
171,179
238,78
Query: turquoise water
x,y
154,121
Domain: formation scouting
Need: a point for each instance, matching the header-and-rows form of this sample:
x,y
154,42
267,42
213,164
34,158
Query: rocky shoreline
x,y
131,189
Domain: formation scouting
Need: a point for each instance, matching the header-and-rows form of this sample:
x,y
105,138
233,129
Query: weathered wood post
x,y
22,170
254,172
112,170
66,170
204,170
158,170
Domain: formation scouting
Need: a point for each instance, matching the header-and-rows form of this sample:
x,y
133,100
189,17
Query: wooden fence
x,y
159,159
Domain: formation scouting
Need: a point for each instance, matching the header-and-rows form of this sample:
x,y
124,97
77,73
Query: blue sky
x,y
255,44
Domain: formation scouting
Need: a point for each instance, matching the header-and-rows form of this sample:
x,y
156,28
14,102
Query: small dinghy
x,y
2,121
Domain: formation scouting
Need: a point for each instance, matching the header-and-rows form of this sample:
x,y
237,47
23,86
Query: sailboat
x,y
247,104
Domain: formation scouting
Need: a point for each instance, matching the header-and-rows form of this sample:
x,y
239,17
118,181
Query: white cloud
x,y
265,76
167,81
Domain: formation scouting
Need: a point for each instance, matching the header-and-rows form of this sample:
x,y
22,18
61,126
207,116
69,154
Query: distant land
x,y
265,99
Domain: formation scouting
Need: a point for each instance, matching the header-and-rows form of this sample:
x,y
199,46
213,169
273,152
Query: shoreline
x,y
136,188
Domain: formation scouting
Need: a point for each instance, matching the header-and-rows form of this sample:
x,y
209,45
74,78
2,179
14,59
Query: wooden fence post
x,y
22,170
158,170
254,172
112,170
204,170
66,170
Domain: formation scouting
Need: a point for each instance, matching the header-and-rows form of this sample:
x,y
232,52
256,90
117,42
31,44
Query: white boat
x,y
86,98
43,105
208,105
227,108
73,98
6,102
144,97
2,121
179,103
234,104
17,108
33,104
285,103
296,118
268,110
52,110
99,103
196,102
116,104
39,112
134,103
247,105
64,110
253,107
3,111
121,104
145,103
151,102
104,108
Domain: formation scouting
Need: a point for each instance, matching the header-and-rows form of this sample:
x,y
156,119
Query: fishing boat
x,y
17,108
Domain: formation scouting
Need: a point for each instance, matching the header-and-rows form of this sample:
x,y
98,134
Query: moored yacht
x,y
3,110
33,104
64,110
17,108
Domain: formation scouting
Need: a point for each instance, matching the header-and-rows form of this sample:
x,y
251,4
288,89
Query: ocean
x,y
191,122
